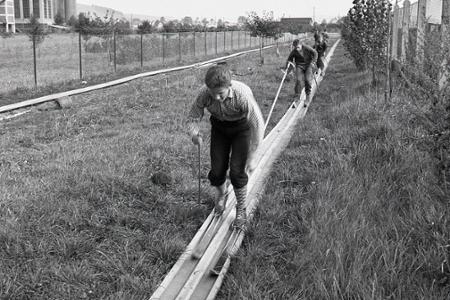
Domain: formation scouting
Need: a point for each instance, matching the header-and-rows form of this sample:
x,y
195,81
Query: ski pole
x,y
278,93
199,174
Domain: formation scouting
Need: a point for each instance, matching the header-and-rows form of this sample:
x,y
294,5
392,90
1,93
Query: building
x,y
297,21
44,10
7,22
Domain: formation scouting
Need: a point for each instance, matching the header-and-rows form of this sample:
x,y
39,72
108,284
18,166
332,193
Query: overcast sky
x,y
229,10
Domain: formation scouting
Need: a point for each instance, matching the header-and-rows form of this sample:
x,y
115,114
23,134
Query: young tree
x,y
59,20
364,32
37,34
145,27
263,27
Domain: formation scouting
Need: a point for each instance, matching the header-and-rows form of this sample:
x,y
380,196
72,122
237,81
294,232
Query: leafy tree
x,y
170,26
37,32
241,21
59,19
145,27
364,32
220,25
263,27
187,23
72,21
205,22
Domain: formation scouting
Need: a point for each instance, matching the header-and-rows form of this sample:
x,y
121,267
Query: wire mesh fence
x,y
65,57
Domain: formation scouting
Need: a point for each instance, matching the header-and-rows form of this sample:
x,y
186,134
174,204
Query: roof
x,y
296,19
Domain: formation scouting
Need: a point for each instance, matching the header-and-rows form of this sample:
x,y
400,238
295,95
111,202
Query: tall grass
x,y
353,209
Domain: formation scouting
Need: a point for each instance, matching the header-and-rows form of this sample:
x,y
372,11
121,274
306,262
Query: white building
x,y
7,22
17,13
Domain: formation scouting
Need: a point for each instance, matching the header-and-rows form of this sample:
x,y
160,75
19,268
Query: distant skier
x,y
237,129
305,58
321,47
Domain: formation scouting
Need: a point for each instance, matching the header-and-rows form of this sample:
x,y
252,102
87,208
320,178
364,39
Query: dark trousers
x,y
229,137
303,77
320,63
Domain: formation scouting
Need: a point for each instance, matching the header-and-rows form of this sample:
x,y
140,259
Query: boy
x,y
237,128
320,46
304,57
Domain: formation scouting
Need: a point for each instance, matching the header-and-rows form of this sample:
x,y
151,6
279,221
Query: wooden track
x,y
191,278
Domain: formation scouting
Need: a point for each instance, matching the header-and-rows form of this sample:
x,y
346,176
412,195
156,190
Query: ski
x,y
209,233
226,254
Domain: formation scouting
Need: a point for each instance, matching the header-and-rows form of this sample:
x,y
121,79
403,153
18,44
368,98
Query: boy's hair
x,y
295,42
218,76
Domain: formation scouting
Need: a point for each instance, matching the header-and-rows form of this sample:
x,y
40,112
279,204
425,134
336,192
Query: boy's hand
x,y
197,139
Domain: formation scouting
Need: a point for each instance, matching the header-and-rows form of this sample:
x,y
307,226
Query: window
x,y
17,9
26,9
49,5
36,9
45,9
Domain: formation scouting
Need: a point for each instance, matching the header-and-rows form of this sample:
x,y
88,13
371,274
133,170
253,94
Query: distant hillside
x,y
102,11
98,10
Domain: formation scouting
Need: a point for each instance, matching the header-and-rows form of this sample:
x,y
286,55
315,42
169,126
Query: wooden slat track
x,y
190,278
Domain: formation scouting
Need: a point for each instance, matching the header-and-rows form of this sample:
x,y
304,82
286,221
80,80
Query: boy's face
x,y
219,93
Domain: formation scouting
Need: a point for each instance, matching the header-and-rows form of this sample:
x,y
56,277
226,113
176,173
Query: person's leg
x,y
308,83
321,65
238,176
298,81
220,155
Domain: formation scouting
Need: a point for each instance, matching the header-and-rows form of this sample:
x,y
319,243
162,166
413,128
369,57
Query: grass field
x,y
99,200
352,209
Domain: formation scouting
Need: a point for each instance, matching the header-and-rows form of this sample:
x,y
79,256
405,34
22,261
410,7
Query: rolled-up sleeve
x,y
196,112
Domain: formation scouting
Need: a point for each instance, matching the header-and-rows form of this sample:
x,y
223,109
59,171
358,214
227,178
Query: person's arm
x,y
195,115
290,58
313,53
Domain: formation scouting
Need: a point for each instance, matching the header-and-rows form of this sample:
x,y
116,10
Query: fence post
x,y
231,40
80,56
142,50
216,42
115,50
405,29
163,47
445,32
179,46
250,37
421,27
206,50
194,43
388,59
239,36
34,60
395,23
224,41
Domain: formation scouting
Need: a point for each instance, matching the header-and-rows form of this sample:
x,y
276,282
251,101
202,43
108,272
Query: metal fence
x,y
419,28
71,56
